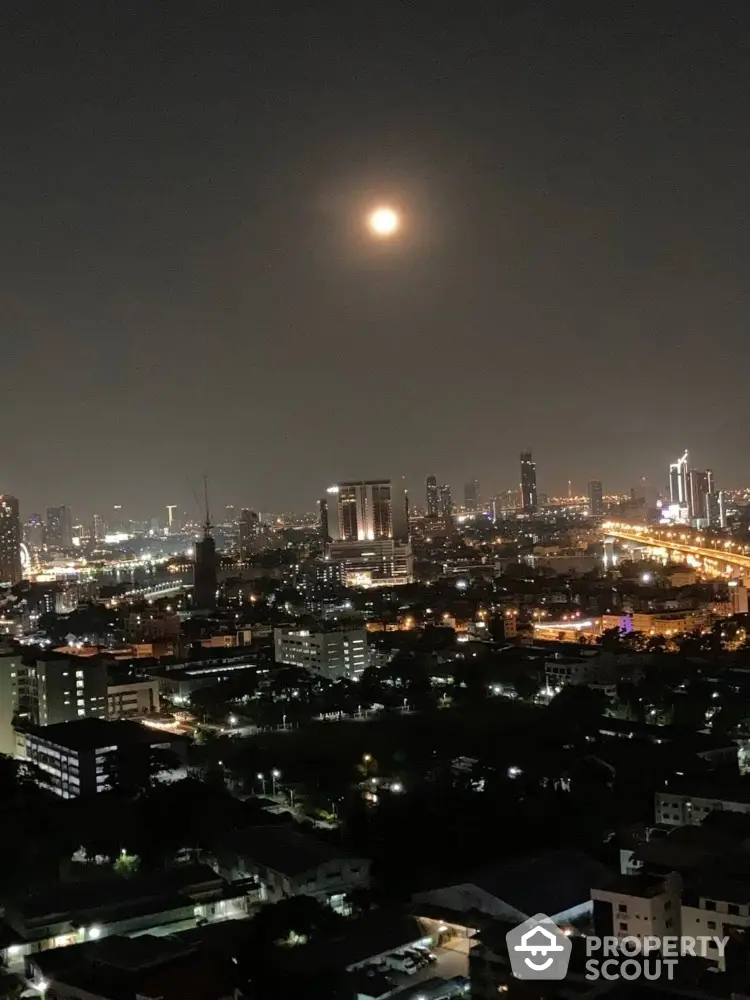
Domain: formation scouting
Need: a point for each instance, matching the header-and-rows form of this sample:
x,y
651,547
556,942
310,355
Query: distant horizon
x,y
192,282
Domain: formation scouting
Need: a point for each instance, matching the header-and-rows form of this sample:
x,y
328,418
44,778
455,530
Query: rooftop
x,y
282,849
544,883
726,791
90,734
108,894
125,969
642,886
376,934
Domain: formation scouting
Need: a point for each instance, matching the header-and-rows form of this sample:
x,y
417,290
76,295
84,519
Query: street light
x,y
274,775
262,779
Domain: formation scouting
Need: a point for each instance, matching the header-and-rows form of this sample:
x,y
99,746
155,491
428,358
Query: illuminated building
x,y
10,540
331,654
679,502
249,530
445,504
323,515
716,510
33,534
91,756
118,525
386,562
59,534
364,510
666,623
98,528
737,596
596,498
369,533
529,502
11,670
698,490
431,491
62,688
471,495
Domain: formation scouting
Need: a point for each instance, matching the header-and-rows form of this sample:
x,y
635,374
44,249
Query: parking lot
x,y
449,963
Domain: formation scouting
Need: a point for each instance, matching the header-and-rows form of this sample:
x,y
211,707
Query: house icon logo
x,y
538,949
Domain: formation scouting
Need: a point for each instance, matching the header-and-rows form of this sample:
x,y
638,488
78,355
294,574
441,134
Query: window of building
x,y
622,908
734,909
709,904
624,927
711,925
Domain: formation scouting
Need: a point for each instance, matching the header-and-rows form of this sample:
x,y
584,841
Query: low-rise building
x,y
63,687
77,912
688,803
717,906
133,697
334,653
557,883
93,755
120,968
637,906
178,682
289,863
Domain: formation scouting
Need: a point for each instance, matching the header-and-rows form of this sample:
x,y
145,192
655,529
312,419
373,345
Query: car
x,y
425,951
403,963
419,957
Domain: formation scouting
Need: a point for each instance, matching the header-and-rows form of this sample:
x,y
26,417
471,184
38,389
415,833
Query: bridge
x,y
716,556
154,591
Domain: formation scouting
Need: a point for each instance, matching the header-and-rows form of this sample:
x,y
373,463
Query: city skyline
x,y
193,509
191,285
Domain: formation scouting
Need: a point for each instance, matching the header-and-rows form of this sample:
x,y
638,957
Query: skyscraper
x,y
323,516
678,482
99,528
369,533
698,490
364,510
249,529
528,483
471,495
204,574
445,504
59,534
10,540
431,490
596,498
33,534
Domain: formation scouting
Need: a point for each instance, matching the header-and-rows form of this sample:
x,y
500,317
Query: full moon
x,y
383,221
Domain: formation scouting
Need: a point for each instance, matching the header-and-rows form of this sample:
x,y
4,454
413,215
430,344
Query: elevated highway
x,y
716,556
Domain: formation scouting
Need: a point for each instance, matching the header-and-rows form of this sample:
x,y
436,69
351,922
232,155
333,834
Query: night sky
x,y
188,287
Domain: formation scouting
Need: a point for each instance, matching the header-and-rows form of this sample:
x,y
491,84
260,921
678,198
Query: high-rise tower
x,y
204,581
431,496
528,483
10,540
